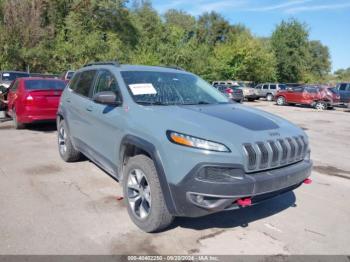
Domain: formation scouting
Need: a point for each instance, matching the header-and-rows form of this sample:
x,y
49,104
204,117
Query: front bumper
x,y
197,195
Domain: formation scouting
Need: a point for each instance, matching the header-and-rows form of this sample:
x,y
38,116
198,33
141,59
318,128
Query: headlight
x,y
195,142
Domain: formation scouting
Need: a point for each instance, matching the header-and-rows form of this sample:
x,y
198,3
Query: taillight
x,y
29,100
229,91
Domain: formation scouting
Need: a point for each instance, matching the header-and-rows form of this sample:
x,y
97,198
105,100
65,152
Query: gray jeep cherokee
x,y
178,146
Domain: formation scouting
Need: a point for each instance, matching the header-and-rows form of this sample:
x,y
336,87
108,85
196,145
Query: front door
x,y
108,123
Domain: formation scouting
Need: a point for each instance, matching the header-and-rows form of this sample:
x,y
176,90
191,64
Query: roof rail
x,y
114,63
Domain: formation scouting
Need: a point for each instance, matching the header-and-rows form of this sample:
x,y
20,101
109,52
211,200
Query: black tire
x,y
16,124
158,216
67,153
269,97
281,101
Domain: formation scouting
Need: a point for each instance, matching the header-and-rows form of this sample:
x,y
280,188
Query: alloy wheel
x,y
62,136
320,106
280,101
139,194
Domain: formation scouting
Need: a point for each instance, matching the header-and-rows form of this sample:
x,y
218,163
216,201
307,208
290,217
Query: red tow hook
x,y
244,202
307,181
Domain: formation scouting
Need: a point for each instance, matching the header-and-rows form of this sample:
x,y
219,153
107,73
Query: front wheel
x,y
143,194
281,101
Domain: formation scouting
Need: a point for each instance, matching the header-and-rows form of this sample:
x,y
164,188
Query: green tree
x,y
212,28
319,60
180,19
291,46
244,57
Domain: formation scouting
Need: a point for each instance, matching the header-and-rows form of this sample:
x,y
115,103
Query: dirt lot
x,y
51,207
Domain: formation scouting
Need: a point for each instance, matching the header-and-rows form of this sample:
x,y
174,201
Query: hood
x,y
226,123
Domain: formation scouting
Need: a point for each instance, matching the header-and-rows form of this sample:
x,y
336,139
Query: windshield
x,y
9,76
44,84
164,88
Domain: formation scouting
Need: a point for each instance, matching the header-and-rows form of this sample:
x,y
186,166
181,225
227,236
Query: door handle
x,y
89,109
68,100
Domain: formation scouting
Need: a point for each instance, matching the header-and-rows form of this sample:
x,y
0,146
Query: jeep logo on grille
x,y
274,134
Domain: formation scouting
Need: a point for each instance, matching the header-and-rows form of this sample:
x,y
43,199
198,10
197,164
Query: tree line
x,y
56,35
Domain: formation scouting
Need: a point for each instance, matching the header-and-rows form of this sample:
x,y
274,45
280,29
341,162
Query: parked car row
x,y
318,96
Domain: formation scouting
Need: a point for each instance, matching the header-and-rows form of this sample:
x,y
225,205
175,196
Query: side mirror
x,y
107,98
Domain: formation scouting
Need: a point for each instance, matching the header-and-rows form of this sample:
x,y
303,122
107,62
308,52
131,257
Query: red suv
x,y
318,97
34,99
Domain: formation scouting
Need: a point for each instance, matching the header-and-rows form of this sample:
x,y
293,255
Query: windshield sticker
x,y
142,89
5,74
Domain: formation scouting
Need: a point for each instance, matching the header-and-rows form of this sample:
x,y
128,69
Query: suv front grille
x,y
272,154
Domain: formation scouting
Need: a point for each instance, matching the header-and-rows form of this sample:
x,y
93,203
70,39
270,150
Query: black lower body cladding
x,y
204,191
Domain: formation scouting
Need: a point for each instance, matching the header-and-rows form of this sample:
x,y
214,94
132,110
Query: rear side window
x,y
298,89
273,87
84,84
312,90
44,85
106,82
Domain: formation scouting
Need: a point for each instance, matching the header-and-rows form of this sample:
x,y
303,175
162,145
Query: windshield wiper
x,y
198,103
155,103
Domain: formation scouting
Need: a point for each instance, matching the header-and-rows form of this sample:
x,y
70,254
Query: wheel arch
x,y
132,145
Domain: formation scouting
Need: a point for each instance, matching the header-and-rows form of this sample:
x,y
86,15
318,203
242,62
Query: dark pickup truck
x,y
344,92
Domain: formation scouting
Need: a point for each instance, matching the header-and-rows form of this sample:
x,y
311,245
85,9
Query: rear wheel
x,y
144,197
16,124
269,97
320,105
281,101
65,147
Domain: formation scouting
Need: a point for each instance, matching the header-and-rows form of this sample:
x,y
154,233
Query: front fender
x,y
154,153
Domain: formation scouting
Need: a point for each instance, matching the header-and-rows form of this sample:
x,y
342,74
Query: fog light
x,y
199,199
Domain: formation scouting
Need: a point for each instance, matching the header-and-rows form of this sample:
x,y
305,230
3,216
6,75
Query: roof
x,y
40,78
123,67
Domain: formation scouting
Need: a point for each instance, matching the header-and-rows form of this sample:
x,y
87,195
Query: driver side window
x,y
106,82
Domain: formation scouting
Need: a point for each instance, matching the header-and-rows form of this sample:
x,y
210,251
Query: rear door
x,y
78,103
258,90
273,89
